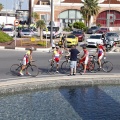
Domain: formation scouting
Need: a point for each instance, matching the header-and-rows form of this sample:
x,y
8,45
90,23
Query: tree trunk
x,y
41,34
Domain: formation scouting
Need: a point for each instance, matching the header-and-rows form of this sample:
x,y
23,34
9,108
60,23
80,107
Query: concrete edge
x,y
30,84
20,48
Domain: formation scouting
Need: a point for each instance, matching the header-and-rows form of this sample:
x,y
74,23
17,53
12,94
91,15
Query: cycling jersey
x,y
100,51
57,55
86,54
26,57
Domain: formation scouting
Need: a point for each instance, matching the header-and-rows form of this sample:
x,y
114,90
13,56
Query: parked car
x,y
92,30
11,32
69,40
113,35
103,30
26,32
94,39
36,32
80,35
56,32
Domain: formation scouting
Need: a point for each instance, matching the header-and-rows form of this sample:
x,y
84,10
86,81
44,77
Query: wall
x,y
10,20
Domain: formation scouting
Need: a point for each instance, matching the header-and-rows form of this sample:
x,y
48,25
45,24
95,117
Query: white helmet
x,y
32,48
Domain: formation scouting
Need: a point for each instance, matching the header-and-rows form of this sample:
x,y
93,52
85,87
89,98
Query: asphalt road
x,y
9,57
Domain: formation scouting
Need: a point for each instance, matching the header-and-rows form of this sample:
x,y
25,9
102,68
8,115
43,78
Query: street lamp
x,y
51,32
109,14
30,5
6,11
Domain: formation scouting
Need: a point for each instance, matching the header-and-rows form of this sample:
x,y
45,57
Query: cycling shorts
x,y
100,56
85,60
25,61
57,59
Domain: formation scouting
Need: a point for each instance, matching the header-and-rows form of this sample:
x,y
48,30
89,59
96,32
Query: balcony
x,y
41,8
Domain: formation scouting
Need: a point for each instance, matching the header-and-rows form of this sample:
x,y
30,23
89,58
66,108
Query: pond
x,y
71,103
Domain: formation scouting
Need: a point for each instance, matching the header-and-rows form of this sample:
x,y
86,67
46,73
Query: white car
x,y
94,39
11,32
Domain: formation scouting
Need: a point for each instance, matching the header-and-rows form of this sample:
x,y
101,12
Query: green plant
x,y
79,25
89,8
5,37
68,29
43,43
41,25
98,24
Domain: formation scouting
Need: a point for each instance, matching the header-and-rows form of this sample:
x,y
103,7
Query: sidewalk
x,y
28,84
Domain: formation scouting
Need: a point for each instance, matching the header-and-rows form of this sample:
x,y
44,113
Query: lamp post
x,y
6,11
109,14
30,5
51,32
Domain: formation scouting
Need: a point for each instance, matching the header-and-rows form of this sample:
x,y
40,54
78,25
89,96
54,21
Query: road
x,y
9,57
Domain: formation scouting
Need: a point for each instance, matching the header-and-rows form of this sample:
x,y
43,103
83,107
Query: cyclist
x,y
101,52
57,54
85,58
26,59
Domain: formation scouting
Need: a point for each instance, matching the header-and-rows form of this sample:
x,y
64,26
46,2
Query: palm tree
x,y
89,9
41,25
35,16
1,7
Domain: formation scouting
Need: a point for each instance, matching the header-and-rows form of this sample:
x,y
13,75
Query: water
x,y
81,103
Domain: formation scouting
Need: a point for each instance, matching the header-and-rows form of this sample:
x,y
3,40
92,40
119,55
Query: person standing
x,y
73,53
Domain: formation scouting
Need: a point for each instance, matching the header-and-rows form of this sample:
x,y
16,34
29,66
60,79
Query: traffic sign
x,y
16,22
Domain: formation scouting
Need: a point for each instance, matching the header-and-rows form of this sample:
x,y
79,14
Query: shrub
x,y
68,29
5,37
79,25
43,43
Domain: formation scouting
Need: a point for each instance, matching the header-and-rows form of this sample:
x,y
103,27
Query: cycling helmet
x,y
98,43
57,47
32,48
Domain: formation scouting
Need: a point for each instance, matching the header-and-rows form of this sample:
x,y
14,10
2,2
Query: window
x,y
42,17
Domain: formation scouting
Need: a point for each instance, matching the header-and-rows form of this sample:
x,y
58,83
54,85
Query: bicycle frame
x,y
82,63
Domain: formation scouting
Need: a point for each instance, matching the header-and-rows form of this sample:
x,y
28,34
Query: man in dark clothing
x,y
73,53
63,40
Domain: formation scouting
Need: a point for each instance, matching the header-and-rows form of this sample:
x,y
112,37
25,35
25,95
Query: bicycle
x,y
65,66
52,67
107,66
32,69
80,66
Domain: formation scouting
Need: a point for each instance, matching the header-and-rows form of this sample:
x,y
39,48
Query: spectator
x,y
73,53
63,40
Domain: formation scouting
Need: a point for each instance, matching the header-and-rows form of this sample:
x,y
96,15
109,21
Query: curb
x,y
19,48
30,84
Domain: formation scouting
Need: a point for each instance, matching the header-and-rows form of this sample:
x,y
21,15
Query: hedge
x,y
5,37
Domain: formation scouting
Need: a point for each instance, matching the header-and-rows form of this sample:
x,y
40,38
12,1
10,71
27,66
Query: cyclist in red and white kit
x,y
57,54
101,52
85,58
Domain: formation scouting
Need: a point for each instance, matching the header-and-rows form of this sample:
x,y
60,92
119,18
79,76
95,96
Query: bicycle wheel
x,y
15,69
33,70
96,66
107,66
90,66
65,66
79,68
51,69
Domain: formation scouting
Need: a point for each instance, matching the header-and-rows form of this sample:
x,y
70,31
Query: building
x,y
69,11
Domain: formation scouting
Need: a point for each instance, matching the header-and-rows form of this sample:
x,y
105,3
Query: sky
x,y
9,4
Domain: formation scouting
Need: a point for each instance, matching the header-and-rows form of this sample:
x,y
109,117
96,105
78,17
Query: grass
x,y
5,37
